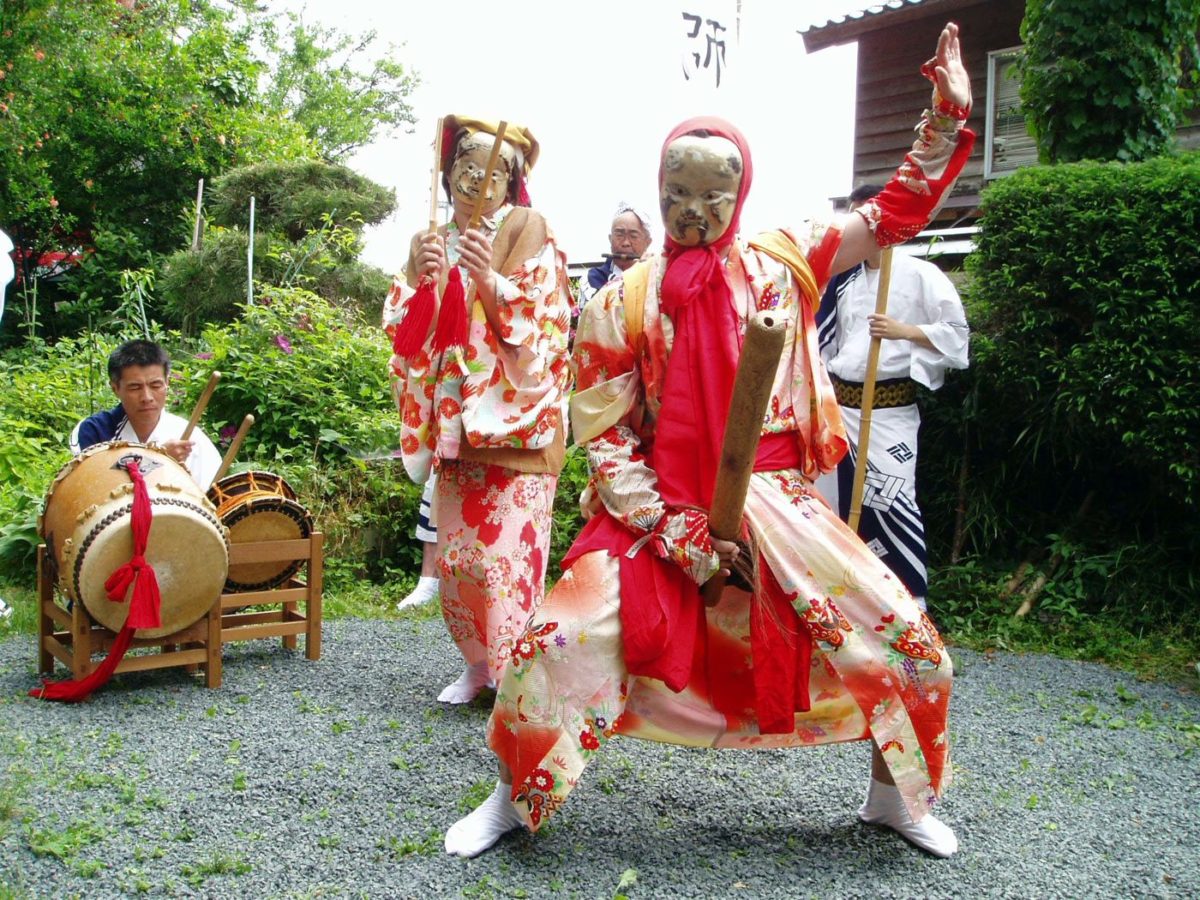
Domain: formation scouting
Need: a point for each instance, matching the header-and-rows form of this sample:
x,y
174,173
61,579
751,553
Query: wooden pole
x,y
250,259
437,170
868,399
199,207
747,408
200,404
234,446
477,213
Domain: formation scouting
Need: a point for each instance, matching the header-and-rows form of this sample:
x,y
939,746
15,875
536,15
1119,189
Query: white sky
x,y
600,85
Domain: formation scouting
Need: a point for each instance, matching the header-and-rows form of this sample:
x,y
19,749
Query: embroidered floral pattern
x,y
503,391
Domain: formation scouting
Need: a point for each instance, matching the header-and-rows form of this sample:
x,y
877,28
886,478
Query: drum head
x,y
233,489
265,519
185,547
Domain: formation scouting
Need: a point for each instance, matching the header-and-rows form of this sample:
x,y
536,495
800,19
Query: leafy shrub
x,y
1080,416
208,285
293,197
1107,79
315,382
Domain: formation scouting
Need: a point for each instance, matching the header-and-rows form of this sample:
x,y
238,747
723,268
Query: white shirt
x,y
202,463
919,294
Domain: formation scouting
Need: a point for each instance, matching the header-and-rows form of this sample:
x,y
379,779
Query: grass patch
x,y
63,845
972,614
474,795
217,864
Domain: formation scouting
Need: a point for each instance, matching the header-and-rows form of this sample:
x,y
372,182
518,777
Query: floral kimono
x,y
489,419
852,657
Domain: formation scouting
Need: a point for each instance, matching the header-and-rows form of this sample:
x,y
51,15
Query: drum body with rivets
x,y
86,523
260,506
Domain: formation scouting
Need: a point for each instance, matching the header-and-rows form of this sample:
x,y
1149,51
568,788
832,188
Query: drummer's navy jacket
x,y
100,427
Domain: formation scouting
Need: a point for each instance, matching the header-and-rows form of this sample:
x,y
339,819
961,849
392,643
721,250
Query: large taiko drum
x,y
260,506
86,524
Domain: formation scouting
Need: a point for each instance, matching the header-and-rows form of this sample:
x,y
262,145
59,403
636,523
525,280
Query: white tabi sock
x,y
490,821
467,686
425,591
885,807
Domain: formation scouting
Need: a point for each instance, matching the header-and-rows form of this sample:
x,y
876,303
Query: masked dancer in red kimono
x,y
480,379
828,646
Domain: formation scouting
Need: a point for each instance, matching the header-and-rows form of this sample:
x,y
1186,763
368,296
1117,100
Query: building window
x,y
1009,145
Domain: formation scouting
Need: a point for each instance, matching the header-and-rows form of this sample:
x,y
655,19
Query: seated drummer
x,y
137,371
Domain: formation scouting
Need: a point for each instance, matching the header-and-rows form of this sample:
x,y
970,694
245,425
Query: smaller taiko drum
x,y
87,525
260,506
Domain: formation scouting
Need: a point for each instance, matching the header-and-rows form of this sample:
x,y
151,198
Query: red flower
x,y
588,740
541,780
448,408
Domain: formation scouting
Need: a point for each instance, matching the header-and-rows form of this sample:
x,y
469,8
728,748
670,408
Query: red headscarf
x,y
696,294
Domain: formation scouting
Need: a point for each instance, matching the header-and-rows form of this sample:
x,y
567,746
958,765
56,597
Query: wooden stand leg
x,y
81,642
312,607
212,664
288,612
45,592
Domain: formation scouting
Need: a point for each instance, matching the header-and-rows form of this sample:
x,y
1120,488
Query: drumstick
x,y
437,170
477,213
234,446
200,404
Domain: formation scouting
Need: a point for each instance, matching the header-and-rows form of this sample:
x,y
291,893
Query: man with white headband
x,y
628,239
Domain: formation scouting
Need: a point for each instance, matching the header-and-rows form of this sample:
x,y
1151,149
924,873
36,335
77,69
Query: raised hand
x,y
948,72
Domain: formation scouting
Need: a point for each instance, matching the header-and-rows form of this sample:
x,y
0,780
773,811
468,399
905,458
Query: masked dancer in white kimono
x,y
479,380
827,645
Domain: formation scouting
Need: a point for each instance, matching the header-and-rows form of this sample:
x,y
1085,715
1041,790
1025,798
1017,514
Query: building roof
x,y
847,28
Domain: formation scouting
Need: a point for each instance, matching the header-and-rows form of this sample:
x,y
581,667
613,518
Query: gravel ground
x,y
339,777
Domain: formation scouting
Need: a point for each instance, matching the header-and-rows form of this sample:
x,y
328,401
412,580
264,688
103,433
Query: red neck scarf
x,y
696,294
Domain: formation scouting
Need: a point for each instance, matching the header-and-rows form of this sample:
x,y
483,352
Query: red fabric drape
x,y
662,616
145,603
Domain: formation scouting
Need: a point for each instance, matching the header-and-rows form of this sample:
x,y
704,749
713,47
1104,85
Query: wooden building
x,y
894,39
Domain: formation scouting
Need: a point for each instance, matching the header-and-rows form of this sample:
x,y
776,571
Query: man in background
x,y
628,239
923,333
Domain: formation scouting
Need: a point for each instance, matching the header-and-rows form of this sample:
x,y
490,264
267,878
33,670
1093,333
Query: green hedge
x,y
1084,301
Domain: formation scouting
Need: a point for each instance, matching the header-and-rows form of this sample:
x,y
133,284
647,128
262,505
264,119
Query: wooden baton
x,y
747,407
234,446
477,212
437,170
868,398
200,404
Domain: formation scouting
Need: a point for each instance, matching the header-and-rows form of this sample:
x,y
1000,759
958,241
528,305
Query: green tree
x,y
342,100
1107,79
111,111
309,217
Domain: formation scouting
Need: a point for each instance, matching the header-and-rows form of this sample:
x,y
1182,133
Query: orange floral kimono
x,y
490,420
877,668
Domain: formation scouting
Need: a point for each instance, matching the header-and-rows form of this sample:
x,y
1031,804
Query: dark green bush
x,y
1107,79
1080,416
293,197
209,285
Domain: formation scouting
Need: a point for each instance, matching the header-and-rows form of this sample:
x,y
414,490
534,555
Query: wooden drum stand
x,y
80,636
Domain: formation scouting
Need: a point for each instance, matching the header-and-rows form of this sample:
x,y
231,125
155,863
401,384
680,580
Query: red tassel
x,y
77,691
453,324
409,336
145,605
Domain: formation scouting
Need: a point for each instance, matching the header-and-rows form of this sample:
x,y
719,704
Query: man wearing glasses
x,y
628,239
